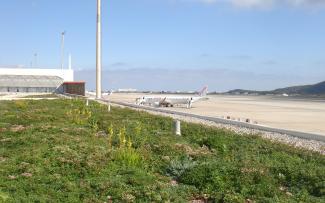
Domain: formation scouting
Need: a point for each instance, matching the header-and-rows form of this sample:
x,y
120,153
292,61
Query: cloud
x,y
270,62
118,64
241,57
265,3
204,55
252,3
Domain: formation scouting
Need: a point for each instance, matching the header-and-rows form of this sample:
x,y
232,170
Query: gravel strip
x,y
316,146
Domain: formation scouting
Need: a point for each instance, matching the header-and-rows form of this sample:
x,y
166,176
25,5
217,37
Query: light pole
x,y
99,52
35,58
62,49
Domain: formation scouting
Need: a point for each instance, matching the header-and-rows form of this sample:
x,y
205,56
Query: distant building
x,y
127,90
29,83
77,88
35,80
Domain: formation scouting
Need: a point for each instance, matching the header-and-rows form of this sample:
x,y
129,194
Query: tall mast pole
x,y
99,53
62,50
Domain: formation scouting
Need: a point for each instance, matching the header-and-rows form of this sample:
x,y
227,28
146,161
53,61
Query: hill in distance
x,y
316,89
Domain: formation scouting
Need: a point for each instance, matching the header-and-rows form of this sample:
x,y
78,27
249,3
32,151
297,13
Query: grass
x,y
50,95
64,151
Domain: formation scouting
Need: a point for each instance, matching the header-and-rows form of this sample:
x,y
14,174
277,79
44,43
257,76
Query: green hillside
x,y
316,90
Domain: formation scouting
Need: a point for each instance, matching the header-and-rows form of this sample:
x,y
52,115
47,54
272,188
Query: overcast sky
x,y
172,44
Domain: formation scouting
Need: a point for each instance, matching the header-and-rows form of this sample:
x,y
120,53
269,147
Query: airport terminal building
x,y
14,80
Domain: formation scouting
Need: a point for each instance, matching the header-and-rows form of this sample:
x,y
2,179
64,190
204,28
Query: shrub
x,y
122,137
202,177
110,133
93,123
80,116
21,104
127,157
179,166
139,135
234,198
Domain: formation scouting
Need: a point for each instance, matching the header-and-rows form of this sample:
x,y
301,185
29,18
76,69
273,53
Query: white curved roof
x,y
30,81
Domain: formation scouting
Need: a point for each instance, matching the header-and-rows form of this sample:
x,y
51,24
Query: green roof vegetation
x,y
64,151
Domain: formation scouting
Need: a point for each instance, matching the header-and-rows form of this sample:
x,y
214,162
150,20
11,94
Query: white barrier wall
x,y
66,74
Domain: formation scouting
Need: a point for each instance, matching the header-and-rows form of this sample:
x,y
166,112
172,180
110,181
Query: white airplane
x,y
91,93
170,101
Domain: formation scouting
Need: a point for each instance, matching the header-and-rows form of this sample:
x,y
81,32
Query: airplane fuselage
x,y
170,101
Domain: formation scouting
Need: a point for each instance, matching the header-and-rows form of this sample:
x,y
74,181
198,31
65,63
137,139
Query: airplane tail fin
x,y
203,92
